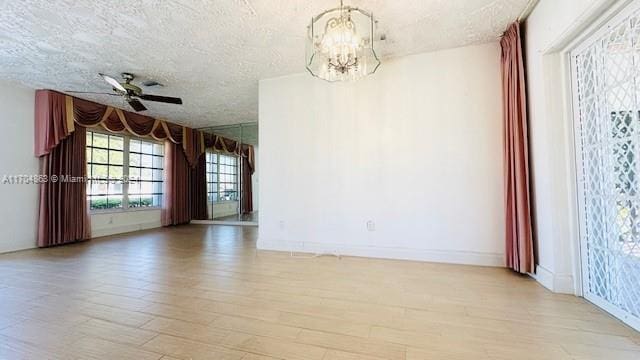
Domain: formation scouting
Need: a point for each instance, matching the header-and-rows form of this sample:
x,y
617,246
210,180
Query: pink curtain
x,y
519,239
247,161
60,118
51,125
176,209
198,190
63,215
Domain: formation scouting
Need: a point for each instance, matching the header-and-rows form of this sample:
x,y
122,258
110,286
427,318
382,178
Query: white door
x,y
606,72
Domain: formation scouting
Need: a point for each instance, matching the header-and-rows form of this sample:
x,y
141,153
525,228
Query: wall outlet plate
x,y
371,226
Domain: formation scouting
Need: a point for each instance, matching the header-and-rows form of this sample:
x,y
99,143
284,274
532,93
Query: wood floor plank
x,y
190,350
205,292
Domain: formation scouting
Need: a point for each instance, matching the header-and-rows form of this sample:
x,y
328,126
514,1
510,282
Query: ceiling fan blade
x,y
136,105
163,99
113,82
90,92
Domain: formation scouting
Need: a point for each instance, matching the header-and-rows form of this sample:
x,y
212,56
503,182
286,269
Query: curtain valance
x,y
57,115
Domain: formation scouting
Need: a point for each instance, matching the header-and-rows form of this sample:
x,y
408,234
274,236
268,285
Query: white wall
x,y
220,209
18,208
552,26
415,148
111,223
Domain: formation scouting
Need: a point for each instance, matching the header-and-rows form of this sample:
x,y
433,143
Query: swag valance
x,y
57,115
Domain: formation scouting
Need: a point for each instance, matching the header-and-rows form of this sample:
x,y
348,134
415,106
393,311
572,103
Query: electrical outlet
x,y
281,225
110,219
371,226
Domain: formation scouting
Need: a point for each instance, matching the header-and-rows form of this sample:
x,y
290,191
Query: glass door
x,y
606,71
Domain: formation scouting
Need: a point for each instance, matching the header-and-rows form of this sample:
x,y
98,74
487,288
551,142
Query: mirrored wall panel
x,y
232,180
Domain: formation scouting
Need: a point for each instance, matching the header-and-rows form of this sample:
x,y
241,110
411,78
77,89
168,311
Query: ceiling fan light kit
x,y
340,44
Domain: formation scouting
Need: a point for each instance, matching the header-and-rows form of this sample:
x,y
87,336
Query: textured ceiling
x,y
211,53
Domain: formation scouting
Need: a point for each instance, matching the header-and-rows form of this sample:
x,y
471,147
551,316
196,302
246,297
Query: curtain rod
x,y
528,10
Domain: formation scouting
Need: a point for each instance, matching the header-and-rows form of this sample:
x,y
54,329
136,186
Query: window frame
x,y
125,173
217,181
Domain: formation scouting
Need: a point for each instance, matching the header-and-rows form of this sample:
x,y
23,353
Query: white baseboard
x,y
558,283
121,229
440,256
224,222
544,277
563,284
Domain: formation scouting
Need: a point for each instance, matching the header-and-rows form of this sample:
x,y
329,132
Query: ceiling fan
x,y
131,93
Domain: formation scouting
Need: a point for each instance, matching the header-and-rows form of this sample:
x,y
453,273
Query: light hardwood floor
x,y
204,292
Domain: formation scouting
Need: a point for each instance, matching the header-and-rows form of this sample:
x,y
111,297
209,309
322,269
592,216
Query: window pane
x,y
99,188
116,173
100,156
134,146
134,173
99,171
146,201
158,149
157,188
146,160
134,201
116,142
147,147
146,187
114,201
146,174
98,202
100,140
114,188
134,187
157,175
115,157
134,159
158,162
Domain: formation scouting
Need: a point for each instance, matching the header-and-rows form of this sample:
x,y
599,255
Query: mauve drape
x,y
51,124
248,169
176,209
59,116
247,188
63,216
519,238
198,190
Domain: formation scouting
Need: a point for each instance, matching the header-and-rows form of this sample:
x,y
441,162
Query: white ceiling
x,y
211,53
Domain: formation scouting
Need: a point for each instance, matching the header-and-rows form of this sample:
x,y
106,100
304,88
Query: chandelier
x,y
340,44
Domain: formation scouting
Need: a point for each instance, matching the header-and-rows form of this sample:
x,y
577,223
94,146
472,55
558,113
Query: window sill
x,y
117,211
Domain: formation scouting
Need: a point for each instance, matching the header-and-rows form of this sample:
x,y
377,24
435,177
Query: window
x,y
222,177
105,170
146,162
123,172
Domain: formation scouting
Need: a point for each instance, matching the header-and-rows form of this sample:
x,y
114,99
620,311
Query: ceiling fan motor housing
x,y
132,89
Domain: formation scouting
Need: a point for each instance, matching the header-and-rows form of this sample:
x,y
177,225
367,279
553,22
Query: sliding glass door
x,y
606,71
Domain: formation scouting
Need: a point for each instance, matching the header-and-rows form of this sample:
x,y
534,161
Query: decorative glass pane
x,y
608,118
